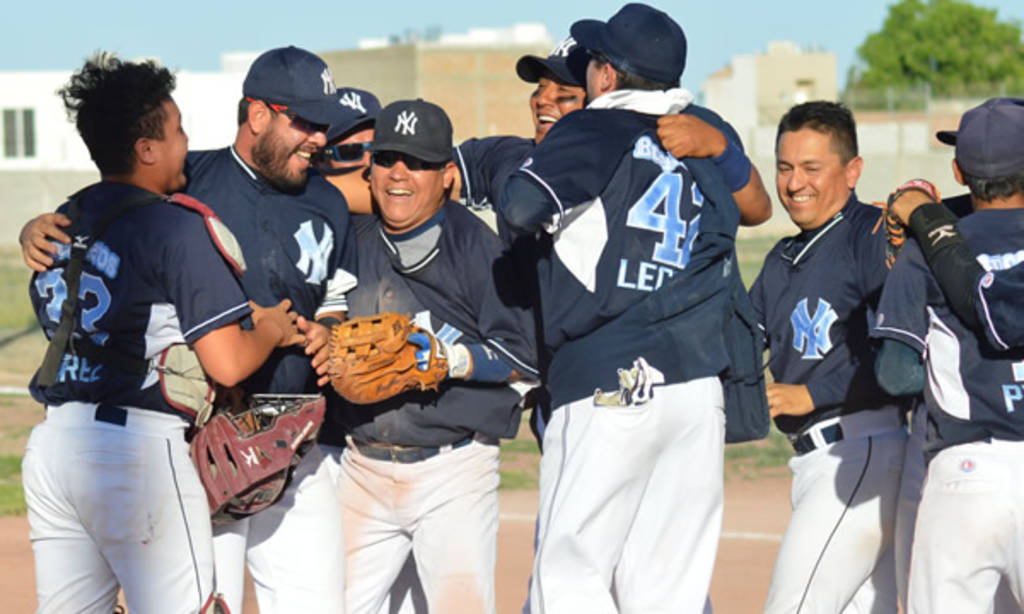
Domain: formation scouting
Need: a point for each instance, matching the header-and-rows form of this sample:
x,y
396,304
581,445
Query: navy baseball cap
x,y
295,79
353,107
639,39
990,139
415,127
567,61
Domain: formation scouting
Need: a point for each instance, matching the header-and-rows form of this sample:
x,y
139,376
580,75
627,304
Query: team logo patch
x,y
811,333
315,254
353,101
406,124
328,82
987,279
967,465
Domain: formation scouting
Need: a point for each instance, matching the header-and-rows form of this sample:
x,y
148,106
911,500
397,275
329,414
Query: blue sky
x,y
191,35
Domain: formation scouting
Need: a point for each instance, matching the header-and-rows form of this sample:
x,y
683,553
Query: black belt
x,y
111,414
804,443
405,454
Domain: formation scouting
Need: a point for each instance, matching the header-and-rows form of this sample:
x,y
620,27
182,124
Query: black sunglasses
x,y
300,123
347,152
387,159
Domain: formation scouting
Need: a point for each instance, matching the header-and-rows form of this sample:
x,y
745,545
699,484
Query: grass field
x,y
22,346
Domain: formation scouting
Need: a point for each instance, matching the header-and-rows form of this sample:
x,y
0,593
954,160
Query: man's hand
x,y
789,400
315,339
686,136
905,204
281,317
37,238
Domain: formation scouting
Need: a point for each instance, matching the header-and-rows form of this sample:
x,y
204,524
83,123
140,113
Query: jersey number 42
x,y
659,210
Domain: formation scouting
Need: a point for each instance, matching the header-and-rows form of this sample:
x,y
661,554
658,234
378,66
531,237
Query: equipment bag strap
x,y
61,340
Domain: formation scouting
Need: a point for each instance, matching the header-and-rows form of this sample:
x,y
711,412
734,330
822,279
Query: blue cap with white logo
x,y
639,39
293,79
354,108
567,62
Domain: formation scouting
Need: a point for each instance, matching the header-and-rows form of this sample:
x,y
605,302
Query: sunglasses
x,y
387,159
348,152
300,123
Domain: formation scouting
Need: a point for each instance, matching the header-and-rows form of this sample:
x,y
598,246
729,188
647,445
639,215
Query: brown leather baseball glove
x,y
373,358
895,229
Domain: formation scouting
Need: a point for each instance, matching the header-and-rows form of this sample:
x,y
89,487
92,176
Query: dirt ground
x,y
755,517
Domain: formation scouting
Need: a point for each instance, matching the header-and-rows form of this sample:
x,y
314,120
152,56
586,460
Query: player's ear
x,y
853,171
145,153
958,174
449,175
259,117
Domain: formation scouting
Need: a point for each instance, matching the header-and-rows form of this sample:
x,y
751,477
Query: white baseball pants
x,y
837,552
443,509
112,505
631,504
970,529
294,548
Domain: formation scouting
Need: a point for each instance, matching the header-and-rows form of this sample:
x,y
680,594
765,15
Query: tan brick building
x,y
474,81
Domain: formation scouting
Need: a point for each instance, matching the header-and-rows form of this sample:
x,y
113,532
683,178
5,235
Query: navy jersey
x,y
295,246
814,298
974,390
154,278
637,255
451,292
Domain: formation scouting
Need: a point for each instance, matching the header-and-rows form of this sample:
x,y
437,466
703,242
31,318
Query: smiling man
x,y
420,472
812,298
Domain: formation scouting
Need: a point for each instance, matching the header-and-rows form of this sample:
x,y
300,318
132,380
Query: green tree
x,y
949,44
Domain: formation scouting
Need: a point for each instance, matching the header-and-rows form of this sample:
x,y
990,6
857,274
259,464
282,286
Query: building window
x,y
19,133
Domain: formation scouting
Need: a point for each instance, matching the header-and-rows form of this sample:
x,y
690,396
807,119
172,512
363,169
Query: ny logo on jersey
x,y
406,123
563,48
328,81
811,334
313,260
353,101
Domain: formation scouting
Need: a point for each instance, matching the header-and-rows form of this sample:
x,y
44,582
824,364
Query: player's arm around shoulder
x,y
700,133
571,166
230,354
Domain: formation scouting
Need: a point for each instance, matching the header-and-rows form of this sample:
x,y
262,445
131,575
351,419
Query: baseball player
x,y
973,437
813,297
636,255
294,231
113,498
420,472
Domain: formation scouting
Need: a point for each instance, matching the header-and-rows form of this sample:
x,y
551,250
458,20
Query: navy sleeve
x,y
485,164
205,293
899,370
902,309
569,167
869,254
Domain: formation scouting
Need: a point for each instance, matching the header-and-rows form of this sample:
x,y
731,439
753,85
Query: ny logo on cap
x,y
328,80
353,101
406,123
563,48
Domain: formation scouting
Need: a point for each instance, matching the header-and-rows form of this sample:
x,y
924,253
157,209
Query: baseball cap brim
x,y
315,111
531,68
946,136
412,150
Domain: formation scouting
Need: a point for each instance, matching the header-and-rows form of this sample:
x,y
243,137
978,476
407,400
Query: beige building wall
x,y
477,86
786,76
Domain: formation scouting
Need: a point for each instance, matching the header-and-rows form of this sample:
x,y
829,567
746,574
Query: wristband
x,y
328,321
735,166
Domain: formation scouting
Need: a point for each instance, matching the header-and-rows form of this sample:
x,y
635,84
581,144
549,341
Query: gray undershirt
x,y
414,249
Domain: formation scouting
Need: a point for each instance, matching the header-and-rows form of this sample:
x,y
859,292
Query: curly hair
x,y
831,118
114,103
